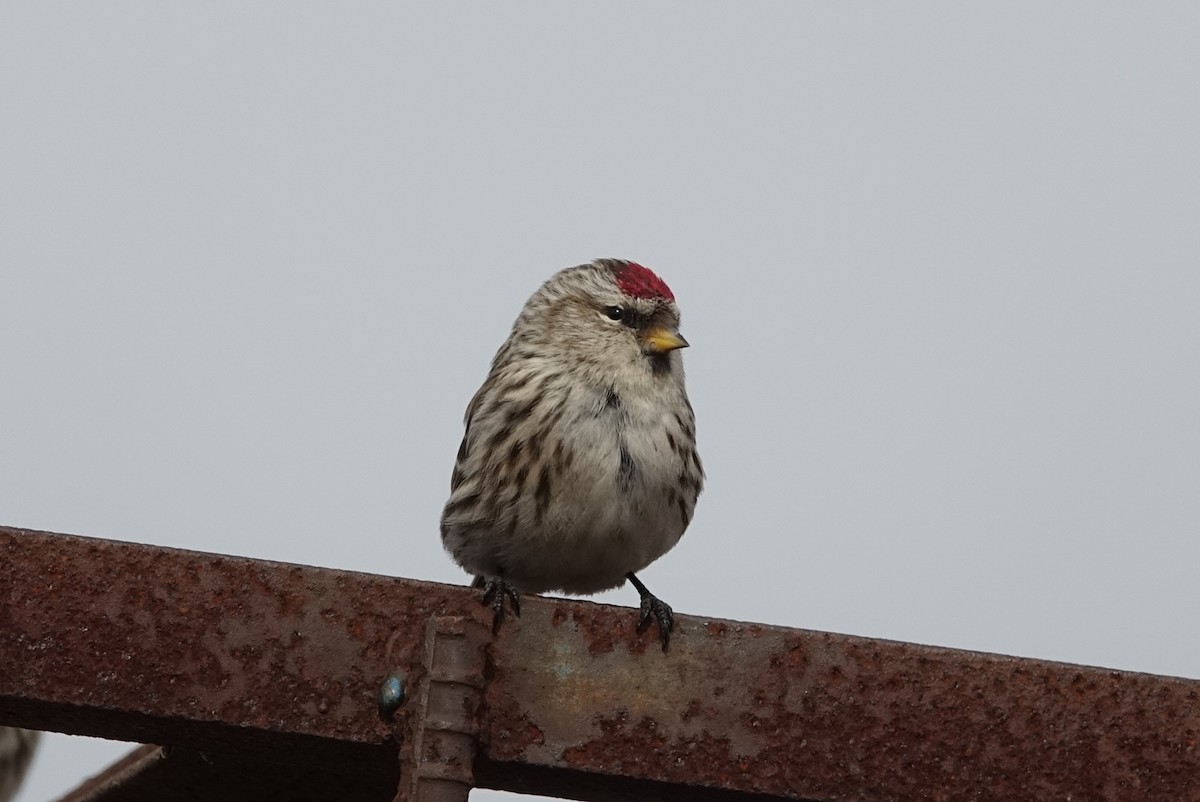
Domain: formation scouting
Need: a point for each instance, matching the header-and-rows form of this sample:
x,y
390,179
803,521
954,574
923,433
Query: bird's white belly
x,y
600,527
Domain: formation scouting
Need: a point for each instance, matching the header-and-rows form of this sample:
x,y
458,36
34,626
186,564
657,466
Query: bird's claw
x,y
495,591
655,610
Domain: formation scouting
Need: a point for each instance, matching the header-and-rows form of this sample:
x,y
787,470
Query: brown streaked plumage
x,y
579,465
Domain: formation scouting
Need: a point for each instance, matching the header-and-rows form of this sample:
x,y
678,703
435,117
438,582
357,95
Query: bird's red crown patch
x,y
642,282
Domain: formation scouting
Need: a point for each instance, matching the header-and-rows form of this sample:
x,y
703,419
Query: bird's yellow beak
x,y
661,341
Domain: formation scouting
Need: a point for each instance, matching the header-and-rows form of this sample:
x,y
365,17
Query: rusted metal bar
x,y
123,779
440,731
282,663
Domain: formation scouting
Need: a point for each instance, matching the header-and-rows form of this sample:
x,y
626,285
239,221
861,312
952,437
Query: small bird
x,y
16,751
578,467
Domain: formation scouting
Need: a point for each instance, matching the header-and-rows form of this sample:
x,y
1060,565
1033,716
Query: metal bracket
x,y
440,729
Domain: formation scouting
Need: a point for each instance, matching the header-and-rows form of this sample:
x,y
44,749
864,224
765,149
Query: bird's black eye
x,y
614,312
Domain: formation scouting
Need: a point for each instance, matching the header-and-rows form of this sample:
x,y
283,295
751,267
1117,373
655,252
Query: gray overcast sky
x,y
939,264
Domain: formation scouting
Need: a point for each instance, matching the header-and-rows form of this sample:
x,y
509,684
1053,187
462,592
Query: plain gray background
x,y
939,265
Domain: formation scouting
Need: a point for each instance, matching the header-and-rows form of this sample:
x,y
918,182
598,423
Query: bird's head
x,y
609,317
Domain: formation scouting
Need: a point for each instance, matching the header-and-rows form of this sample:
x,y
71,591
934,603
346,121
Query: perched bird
x,y
16,751
579,464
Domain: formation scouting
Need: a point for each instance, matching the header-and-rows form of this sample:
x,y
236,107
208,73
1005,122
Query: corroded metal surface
x,y
234,656
811,715
440,725
820,716
156,645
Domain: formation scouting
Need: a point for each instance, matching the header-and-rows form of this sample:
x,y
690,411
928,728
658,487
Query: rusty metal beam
x,y
133,777
281,663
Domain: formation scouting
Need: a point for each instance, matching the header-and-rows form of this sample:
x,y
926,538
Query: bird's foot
x,y
496,589
654,610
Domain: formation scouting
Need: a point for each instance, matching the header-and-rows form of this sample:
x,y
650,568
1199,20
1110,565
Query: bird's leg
x,y
495,590
654,609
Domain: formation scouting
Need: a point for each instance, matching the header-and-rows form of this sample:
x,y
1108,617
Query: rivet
x,y
391,693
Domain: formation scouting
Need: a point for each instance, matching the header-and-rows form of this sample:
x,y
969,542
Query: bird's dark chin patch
x,y
660,364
